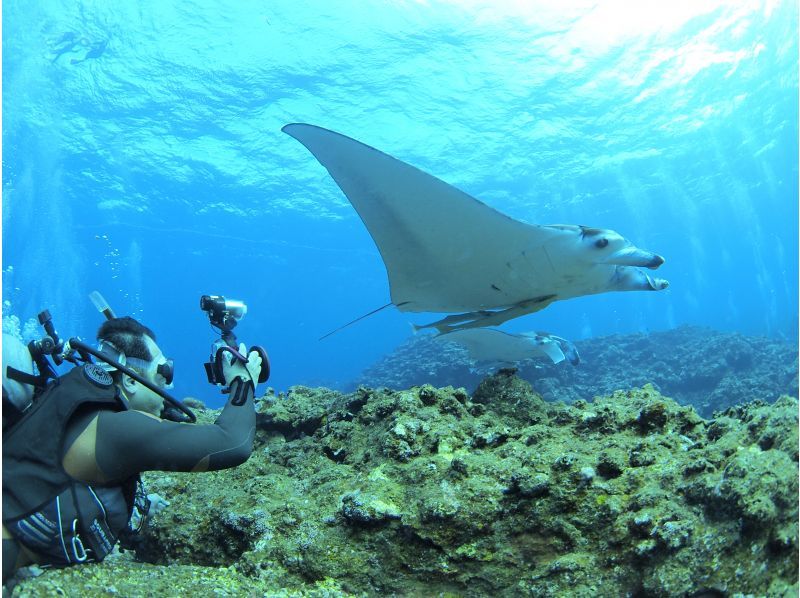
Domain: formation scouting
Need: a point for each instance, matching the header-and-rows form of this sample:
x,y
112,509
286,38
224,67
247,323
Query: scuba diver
x,y
72,458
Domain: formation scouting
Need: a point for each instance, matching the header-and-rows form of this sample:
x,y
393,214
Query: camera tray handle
x,y
214,369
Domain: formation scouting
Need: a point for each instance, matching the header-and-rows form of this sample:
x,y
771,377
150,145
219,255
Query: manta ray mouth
x,y
633,256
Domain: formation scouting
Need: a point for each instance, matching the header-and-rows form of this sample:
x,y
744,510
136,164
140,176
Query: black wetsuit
x,y
127,443
130,442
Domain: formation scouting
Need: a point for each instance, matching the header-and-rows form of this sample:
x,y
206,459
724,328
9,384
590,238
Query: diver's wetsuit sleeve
x,y
129,442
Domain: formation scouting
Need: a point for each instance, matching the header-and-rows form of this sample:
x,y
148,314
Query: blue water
x,y
142,157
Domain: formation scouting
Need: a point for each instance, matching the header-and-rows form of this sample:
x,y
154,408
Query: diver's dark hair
x,y
127,335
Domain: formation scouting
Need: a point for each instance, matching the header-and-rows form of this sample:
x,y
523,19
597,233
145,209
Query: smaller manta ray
x,y
496,346
447,252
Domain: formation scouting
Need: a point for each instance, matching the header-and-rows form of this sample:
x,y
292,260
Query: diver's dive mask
x,y
165,369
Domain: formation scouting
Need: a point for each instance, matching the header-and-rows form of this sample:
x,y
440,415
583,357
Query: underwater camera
x,y
224,314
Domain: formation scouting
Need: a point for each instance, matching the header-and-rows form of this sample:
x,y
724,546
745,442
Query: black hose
x,y
83,347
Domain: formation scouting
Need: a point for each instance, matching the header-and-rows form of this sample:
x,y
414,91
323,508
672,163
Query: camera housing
x,y
224,314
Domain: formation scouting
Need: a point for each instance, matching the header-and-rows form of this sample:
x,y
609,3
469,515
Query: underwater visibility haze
x,y
651,449
143,157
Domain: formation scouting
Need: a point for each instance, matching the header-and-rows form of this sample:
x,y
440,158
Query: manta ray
x,y
447,252
496,346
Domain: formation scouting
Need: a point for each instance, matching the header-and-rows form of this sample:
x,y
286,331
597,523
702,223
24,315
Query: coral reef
x,y
695,366
433,492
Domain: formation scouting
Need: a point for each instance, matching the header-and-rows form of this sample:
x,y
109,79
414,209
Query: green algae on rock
x,y
125,577
428,491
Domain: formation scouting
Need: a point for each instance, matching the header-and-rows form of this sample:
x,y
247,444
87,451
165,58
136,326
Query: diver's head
x,y
134,345
16,355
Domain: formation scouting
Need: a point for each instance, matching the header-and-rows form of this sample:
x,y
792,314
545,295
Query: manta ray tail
x,y
359,318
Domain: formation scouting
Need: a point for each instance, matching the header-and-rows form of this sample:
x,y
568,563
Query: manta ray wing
x,y
444,251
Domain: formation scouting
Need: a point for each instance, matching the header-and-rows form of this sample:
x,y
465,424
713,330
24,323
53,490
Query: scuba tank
x,y
18,375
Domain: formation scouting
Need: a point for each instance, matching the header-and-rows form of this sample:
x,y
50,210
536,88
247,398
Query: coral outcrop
x,y
433,492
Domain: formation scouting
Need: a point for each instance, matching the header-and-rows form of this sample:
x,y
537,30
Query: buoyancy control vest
x,y
41,502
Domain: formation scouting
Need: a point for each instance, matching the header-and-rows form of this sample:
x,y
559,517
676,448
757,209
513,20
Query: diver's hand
x,y
249,371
